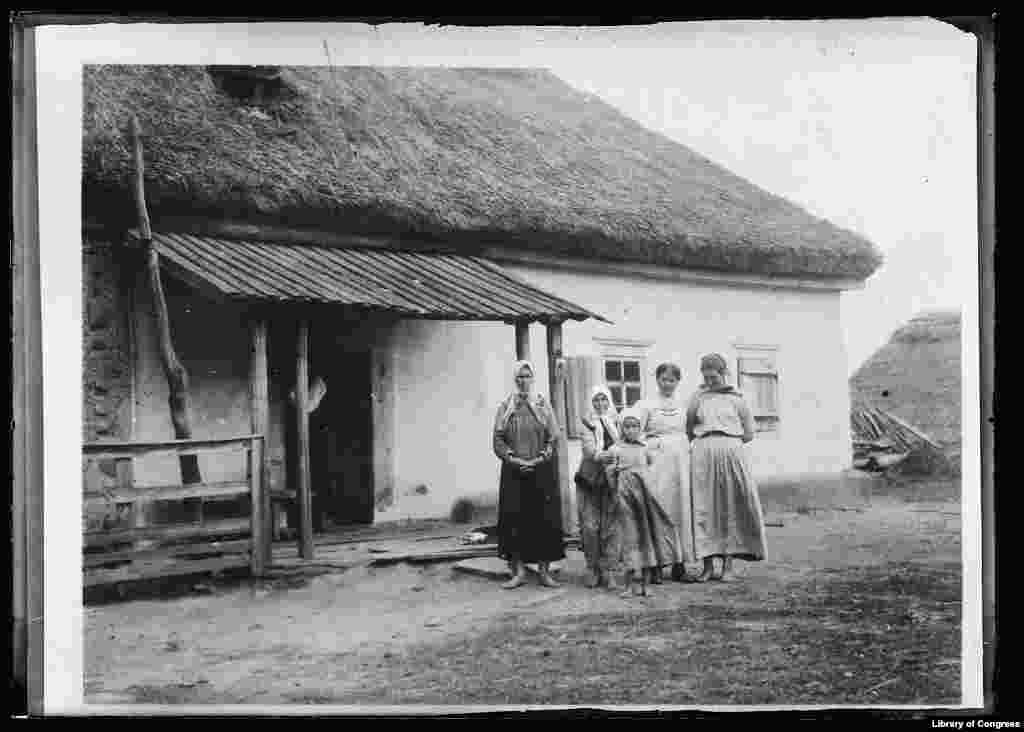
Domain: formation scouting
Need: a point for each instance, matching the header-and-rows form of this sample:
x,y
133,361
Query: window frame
x,y
766,422
623,350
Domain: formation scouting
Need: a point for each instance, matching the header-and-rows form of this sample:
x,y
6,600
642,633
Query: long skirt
x,y
530,515
648,537
598,509
727,517
670,476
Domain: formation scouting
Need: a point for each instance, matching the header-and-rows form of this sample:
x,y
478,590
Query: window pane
x,y
631,371
616,395
613,370
632,395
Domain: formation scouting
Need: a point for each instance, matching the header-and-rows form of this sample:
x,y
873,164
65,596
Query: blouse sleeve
x,y
552,431
747,418
501,447
644,412
691,416
589,443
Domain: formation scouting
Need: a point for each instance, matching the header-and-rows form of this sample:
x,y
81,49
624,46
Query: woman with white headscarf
x,y
595,496
529,502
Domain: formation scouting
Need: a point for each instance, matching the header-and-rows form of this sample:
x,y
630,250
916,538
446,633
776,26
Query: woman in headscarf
x,y
727,518
529,504
663,420
595,496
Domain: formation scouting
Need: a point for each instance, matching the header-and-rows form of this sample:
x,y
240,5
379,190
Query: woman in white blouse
x,y
727,519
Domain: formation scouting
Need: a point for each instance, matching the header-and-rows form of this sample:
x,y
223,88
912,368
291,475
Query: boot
x,y
592,580
609,580
518,575
545,576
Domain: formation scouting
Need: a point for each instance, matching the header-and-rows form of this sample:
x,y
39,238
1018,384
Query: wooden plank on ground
x,y
452,555
154,568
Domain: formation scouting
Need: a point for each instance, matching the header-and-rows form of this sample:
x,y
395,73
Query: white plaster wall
x,y
438,384
450,377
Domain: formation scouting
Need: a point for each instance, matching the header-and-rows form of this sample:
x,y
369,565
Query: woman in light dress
x,y
663,421
727,519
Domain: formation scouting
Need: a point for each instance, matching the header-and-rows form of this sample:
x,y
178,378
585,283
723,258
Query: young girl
x,y
649,539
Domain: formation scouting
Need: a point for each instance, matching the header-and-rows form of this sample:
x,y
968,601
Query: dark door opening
x,y
341,436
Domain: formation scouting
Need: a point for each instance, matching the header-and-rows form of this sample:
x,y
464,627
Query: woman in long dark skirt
x,y
529,503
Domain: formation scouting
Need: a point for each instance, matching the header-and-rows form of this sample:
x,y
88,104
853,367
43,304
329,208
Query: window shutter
x,y
571,405
758,380
578,382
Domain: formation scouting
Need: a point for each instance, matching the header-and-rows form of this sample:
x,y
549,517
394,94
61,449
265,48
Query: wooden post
x,y
302,415
177,377
260,401
556,381
258,541
522,340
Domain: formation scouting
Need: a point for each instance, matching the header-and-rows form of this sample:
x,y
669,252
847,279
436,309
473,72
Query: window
x,y
758,378
623,376
620,364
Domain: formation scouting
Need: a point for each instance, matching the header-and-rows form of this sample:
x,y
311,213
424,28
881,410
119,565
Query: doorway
x,y
341,434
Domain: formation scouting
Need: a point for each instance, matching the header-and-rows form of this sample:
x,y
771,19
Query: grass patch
x,y
884,635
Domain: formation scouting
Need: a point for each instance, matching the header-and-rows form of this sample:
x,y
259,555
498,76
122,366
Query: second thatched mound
x,y
916,377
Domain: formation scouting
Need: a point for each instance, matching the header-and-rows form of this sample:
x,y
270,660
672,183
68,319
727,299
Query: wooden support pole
x,y
177,377
556,381
259,393
302,416
257,527
522,340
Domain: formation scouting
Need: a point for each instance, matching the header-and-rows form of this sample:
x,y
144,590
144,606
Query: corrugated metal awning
x,y
412,284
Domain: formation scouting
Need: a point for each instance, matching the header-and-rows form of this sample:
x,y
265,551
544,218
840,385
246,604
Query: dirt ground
x,y
851,607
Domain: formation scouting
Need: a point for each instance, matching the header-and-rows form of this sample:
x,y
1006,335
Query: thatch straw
x,y
462,156
916,377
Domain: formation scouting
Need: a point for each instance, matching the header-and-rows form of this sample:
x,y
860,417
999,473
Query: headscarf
x,y
608,422
718,363
714,361
602,389
534,401
632,413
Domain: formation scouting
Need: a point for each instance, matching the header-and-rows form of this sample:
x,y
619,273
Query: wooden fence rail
x,y
127,500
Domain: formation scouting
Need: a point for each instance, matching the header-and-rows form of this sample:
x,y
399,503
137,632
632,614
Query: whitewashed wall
x,y
450,377
438,384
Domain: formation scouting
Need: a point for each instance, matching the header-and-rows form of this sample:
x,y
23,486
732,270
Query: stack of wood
x,y
882,440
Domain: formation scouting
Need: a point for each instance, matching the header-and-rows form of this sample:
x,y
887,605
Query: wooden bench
x,y
118,515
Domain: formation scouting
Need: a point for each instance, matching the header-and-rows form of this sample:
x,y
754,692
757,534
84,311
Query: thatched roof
x,y
916,376
467,157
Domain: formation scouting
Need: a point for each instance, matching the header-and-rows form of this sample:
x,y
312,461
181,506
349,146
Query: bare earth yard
x,y
852,608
